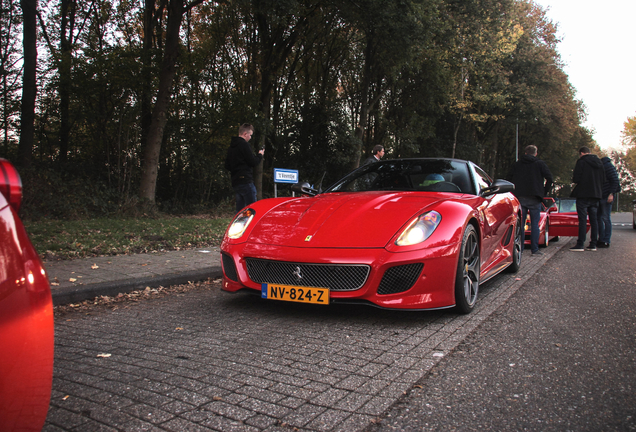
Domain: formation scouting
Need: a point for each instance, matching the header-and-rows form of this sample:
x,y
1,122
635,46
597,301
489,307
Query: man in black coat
x,y
533,181
376,155
240,161
588,176
610,187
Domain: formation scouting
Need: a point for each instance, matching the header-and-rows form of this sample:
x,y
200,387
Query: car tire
x,y
468,269
516,248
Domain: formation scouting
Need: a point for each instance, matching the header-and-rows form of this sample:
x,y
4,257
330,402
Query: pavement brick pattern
x,y
212,361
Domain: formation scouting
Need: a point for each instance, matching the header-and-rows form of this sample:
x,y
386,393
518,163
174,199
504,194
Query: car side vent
x,y
508,236
400,278
229,268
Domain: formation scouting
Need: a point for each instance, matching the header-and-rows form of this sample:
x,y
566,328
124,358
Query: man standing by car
x,y
240,161
588,177
376,155
610,187
533,181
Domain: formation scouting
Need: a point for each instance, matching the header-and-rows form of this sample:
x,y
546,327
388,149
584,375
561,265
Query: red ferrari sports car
x,y
558,219
399,234
547,206
26,318
564,220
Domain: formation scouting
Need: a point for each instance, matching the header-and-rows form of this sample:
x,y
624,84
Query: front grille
x,y
336,277
229,268
400,278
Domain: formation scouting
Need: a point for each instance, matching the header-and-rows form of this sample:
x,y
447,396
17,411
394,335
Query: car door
x,y
496,211
564,221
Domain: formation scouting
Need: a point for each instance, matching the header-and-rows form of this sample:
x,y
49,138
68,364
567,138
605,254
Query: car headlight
x,y
419,229
240,223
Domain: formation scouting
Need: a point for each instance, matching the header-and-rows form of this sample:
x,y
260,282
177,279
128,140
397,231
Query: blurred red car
x,y
558,218
564,220
547,206
26,318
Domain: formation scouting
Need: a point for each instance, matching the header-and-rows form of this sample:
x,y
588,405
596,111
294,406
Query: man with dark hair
x,y
610,187
588,177
533,181
240,161
376,155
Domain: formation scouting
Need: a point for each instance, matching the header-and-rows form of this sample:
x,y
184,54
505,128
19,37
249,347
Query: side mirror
x,y
304,189
497,187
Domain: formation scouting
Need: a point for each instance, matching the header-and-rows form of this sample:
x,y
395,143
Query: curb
x,y
79,293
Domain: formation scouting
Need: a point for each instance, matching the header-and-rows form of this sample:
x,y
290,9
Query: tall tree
x,y
150,164
628,134
29,88
388,33
279,27
67,29
10,70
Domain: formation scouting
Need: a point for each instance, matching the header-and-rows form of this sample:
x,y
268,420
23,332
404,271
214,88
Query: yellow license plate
x,y
295,293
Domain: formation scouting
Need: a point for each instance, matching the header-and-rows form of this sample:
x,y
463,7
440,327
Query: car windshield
x,y
433,175
566,205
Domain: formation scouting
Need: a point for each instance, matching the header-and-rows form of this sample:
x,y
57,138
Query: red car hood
x,y
337,220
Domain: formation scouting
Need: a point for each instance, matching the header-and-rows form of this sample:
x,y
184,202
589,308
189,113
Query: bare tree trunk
x,y
364,109
149,170
266,97
29,87
68,8
146,71
494,152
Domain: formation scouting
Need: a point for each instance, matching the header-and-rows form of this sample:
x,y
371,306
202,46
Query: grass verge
x,y
56,239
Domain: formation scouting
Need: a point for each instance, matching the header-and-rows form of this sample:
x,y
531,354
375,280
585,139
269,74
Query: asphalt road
x,y
560,355
549,348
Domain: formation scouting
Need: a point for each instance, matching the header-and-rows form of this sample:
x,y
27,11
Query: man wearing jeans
x,y
588,176
610,187
240,161
533,181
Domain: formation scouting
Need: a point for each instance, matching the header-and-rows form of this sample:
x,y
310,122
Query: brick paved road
x,y
208,360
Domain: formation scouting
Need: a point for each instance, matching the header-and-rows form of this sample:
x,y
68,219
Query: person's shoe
x,y
591,248
577,248
602,245
537,253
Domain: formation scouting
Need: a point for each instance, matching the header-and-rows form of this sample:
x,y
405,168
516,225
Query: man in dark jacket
x,y
610,187
240,161
376,155
533,181
588,176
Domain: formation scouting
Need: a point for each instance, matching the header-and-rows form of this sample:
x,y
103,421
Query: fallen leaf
x,y
94,266
72,279
179,328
